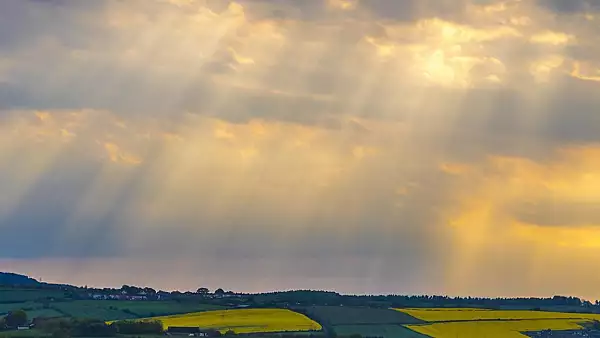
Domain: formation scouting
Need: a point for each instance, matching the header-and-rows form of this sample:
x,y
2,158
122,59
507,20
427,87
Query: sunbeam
x,y
364,146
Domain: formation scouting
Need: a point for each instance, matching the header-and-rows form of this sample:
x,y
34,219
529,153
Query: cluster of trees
x,y
13,320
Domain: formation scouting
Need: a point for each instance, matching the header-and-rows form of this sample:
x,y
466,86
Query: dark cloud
x,y
400,10
571,6
410,10
572,115
45,21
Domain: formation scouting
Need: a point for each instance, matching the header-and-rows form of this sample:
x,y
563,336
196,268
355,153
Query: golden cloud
x,y
552,38
117,155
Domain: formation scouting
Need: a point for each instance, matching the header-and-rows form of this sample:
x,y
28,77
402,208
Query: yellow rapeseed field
x,y
494,329
435,315
243,320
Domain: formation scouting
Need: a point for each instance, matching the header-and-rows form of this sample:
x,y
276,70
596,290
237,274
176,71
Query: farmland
x,y
348,320
112,310
352,315
24,295
378,330
492,323
315,313
105,309
244,320
493,329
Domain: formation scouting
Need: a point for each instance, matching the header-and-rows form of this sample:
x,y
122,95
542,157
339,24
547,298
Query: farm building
x,y
187,331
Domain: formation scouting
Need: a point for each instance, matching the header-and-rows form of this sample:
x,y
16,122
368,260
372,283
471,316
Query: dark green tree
x,y
202,291
16,318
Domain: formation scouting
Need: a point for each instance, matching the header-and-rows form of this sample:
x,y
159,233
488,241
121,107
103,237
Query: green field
x,y
7,307
378,330
8,295
347,320
93,309
23,334
33,309
347,315
117,309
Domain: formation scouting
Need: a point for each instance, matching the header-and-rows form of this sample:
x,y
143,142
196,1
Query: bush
x,y
92,328
139,327
52,324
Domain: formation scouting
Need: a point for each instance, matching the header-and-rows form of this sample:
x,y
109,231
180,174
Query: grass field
x,y
347,315
33,309
244,320
23,334
494,329
118,309
106,309
378,330
24,295
7,307
437,315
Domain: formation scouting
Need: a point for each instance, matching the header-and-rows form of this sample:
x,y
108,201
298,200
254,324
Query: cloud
x,y
569,7
351,140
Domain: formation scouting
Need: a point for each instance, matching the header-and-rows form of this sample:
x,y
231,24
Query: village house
x,y
191,331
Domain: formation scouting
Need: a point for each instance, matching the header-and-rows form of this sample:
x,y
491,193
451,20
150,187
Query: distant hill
x,y
9,278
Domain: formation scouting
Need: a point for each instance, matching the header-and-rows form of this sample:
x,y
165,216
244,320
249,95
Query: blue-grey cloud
x,y
571,6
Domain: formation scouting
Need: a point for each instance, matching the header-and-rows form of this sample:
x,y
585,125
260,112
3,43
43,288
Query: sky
x,y
363,146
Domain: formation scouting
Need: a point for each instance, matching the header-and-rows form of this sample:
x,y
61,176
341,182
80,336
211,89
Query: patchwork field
x,y
452,323
244,320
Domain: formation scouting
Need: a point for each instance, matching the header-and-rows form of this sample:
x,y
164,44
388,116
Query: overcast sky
x,y
363,146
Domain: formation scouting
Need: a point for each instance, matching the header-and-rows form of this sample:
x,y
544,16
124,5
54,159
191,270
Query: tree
x,y
16,318
149,291
202,291
219,292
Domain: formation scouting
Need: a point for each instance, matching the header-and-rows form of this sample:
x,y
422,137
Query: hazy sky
x,y
369,146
